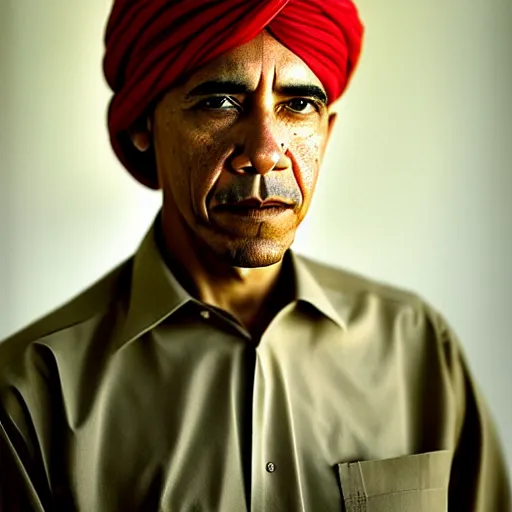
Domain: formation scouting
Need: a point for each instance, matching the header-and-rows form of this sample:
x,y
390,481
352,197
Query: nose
x,y
261,147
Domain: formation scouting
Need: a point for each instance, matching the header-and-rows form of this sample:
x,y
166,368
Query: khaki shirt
x,y
135,396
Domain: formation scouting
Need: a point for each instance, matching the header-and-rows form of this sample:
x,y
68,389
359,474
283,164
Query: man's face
x,y
238,149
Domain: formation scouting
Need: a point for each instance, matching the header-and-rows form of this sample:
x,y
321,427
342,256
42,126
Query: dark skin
x,y
238,148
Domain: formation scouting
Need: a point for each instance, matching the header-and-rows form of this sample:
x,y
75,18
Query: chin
x,y
254,253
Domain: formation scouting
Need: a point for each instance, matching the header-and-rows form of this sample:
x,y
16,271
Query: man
x,y
216,370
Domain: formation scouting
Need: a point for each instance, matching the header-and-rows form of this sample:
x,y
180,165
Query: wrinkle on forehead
x,y
281,66
268,58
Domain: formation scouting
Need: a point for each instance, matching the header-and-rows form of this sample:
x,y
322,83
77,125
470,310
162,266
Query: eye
x,y
219,103
302,106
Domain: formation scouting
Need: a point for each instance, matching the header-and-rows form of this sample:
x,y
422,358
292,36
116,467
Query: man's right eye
x,y
219,103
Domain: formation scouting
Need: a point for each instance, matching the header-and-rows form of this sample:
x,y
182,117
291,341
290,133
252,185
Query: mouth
x,y
254,209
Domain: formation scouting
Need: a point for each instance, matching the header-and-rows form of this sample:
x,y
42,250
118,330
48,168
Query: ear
x,y
333,116
140,134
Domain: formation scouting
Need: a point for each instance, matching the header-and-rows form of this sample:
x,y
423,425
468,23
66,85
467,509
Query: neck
x,y
252,295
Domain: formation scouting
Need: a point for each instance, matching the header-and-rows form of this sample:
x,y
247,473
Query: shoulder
x,y
44,366
382,318
71,321
364,297
340,280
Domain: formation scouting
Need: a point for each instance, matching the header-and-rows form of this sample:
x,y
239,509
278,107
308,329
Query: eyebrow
x,y
211,87
310,91
219,87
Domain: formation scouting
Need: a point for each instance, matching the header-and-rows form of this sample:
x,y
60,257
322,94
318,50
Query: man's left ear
x,y
333,116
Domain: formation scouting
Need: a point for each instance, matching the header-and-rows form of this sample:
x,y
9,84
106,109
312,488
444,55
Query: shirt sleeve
x,y
23,479
479,478
16,490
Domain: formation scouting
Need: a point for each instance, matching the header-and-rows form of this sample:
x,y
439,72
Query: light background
x,y
416,189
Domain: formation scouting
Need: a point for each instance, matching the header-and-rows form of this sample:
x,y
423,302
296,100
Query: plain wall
x,y
416,189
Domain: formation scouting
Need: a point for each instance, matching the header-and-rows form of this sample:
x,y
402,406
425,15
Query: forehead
x,y
262,59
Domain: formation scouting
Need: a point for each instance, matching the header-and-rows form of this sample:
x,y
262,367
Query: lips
x,y
254,208
255,203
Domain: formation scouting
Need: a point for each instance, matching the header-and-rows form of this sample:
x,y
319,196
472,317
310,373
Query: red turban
x,y
152,43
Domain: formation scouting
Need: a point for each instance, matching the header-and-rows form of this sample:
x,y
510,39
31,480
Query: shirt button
x,y
271,467
205,314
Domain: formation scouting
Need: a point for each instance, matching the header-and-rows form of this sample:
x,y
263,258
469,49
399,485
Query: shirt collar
x,y
156,293
309,290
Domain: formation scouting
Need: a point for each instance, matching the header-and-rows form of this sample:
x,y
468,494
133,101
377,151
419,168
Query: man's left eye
x,y
302,106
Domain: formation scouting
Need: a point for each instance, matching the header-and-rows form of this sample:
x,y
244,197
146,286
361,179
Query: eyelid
x,y
201,102
316,103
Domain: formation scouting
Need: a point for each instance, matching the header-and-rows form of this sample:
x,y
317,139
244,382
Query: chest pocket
x,y
414,483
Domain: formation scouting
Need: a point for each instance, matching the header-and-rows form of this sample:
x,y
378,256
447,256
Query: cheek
x,y
307,152
206,156
191,163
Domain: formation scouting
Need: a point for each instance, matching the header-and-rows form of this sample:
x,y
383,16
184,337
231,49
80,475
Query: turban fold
x,y
151,44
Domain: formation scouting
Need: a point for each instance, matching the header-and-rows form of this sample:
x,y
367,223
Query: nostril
x,y
249,169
